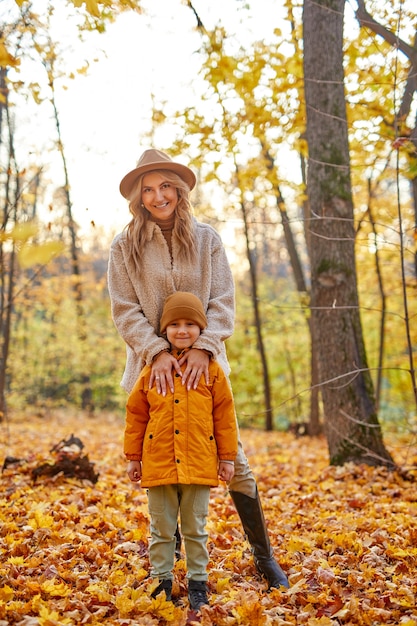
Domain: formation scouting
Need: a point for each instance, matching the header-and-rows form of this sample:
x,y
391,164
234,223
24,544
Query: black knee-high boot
x,y
253,522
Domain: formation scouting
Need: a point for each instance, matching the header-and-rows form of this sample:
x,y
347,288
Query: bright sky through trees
x,y
105,113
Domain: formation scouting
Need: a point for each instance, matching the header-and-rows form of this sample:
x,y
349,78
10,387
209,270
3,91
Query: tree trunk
x,y
87,392
314,427
414,192
258,325
351,422
7,257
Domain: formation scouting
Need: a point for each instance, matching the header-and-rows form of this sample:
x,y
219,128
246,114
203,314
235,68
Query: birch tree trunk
x,y
351,423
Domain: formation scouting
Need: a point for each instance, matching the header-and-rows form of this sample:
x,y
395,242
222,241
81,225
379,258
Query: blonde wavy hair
x,y
183,225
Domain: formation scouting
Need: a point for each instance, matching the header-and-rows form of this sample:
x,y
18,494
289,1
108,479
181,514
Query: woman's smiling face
x,y
159,196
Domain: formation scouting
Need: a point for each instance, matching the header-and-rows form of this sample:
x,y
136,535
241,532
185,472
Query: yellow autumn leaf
x,y
16,560
407,602
136,534
24,231
142,601
7,59
99,591
221,584
124,603
36,603
298,544
33,586
6,593
118,577
162,608
141,574
249,610
40,520
92,7
83,70
400,553
39,254
136,594
53,588
48,617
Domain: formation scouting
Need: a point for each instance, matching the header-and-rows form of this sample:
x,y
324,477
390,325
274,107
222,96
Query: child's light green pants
x,y
164,503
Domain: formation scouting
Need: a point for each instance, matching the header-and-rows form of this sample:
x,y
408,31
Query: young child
x,y
178,446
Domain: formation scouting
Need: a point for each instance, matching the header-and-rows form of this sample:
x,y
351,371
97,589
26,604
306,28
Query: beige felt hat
x,y
183,305
155,160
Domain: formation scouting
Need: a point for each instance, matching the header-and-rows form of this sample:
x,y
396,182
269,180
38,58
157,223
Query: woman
x,y
165,249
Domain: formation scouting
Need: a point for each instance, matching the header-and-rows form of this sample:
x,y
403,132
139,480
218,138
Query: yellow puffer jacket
x,y
181,437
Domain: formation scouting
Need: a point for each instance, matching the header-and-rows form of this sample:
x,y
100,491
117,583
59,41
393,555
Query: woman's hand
x,y
134,471
161,373
197,366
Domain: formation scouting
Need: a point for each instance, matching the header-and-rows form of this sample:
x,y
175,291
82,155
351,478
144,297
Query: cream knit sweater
x,y
137,297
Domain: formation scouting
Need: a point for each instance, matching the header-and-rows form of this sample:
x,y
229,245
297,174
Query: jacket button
x,y
211,437
176,401
178,461
177,375
177,432
150,436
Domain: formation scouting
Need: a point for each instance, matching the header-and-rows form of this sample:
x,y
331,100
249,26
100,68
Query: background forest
x,y
299,119
321,273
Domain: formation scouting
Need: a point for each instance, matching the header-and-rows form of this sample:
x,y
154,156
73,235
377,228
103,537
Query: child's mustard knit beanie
x,y
183,305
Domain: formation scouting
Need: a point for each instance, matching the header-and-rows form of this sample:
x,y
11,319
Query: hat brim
x,y
183,171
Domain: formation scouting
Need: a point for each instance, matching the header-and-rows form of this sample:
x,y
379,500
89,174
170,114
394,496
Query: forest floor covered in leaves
x,y
74,551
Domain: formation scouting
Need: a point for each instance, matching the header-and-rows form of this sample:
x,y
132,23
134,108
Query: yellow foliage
x,y
141,574
99,590
222,584
125,603
39,254
48,617
83,70
90,5
117,578
55,589
299,544
400,553
40,520
35,90
34,587
16,560
22,232
7,59
6,593
162,608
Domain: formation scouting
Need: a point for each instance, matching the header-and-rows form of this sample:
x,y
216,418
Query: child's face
x,y
182,333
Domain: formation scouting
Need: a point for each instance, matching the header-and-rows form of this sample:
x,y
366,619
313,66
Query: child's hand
x,y
134,471
226,471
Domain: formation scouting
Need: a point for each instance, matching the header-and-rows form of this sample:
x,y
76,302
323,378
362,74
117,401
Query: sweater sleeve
x,y
127,313
221,304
